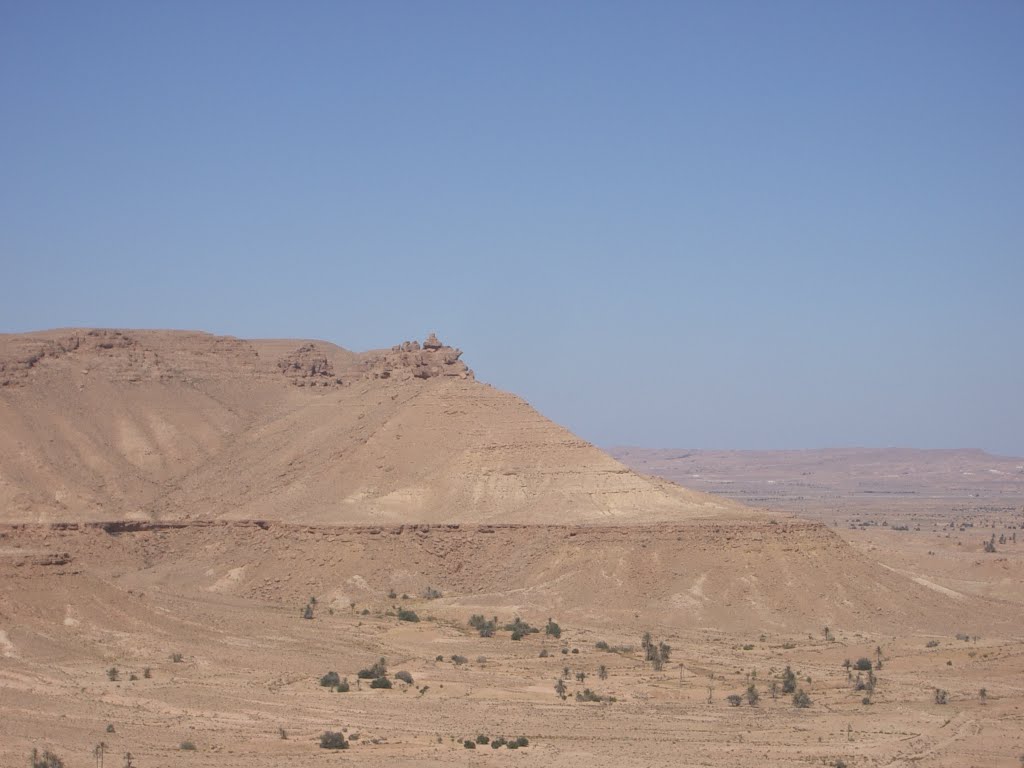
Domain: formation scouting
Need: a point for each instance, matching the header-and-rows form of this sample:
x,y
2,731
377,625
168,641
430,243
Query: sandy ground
x,y
75,603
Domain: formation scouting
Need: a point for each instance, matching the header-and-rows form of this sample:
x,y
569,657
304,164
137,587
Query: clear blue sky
x,y
719,224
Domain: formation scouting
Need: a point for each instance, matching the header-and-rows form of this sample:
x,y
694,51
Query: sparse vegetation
x,y
113,675
333,740
380,682
405,614
552,629
520,629
801,700
656,653
379,669
177,658
862,664
187,746
486,627
404,676
941,696
45,760
330,680
734,699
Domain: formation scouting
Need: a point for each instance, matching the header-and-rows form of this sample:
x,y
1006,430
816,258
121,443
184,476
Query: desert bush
x,y
405,614
801,700
380,682
343,686
486,627
498,743
941,696
553,629
187,746
282,733
482,739
789,680
177,658
601,645
147,673
459,660
392,594
862,664
481,660
520,628
110,727
439,658
522,741
377,670
431,594
113,675
307,612
602,672
469,744
404,676
734,699
748,647
330,680
46,760
753,695
543,653
333,740
588,695
932,644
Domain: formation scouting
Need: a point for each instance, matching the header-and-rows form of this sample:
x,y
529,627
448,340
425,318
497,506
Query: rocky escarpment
x,y
410,360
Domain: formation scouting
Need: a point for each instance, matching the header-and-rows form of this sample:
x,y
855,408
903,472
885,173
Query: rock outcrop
x,y
308,366
409,360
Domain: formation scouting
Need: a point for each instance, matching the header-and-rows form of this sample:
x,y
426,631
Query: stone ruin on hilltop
x,y
410,360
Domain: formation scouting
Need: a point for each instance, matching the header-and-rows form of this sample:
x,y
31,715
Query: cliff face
x,y
108,424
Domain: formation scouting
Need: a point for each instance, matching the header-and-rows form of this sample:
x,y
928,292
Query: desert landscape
x,y
227,552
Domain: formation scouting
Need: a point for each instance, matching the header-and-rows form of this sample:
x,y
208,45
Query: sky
x,y
667,224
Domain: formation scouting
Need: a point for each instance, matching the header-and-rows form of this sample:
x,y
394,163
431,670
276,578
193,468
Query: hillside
x,y
108,424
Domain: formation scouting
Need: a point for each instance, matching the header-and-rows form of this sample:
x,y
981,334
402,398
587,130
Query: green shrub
x,y
333,740
459,660
482,739
380,682
113,675
601,645
801,699
469,744
187,746
553,629
343,686
485,627
734,699
330,680
404,676
404,614
522,741
498,743
863,664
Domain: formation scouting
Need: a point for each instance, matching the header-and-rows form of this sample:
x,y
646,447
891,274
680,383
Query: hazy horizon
x,y
732,224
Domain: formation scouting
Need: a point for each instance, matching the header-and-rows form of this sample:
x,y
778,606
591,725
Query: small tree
x,y
941,696
560,688
553,629
801,700
734,699
602,672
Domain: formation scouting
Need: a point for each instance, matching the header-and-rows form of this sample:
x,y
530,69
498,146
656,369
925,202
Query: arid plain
x,y
195,530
